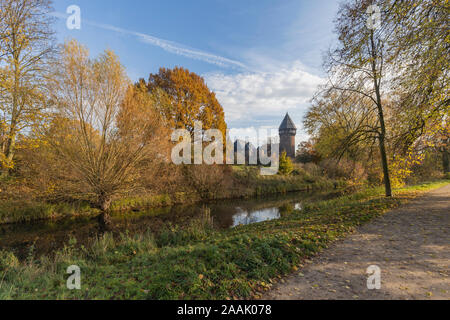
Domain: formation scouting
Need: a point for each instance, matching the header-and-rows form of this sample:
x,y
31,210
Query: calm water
x,y
45,237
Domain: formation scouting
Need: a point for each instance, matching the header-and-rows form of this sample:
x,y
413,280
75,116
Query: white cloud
x,y
169,46
246,96
259,100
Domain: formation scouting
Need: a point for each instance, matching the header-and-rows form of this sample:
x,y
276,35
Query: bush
x,y
246,175
208,181
344,169
286,166
8,260
375,175
430,168
298,170
313,169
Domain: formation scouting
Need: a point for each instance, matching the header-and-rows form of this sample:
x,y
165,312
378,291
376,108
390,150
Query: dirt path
x,y
411,246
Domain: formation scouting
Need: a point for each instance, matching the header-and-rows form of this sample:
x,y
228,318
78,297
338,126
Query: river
x,y
45,237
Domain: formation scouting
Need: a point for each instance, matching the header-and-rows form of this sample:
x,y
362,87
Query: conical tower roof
x,y
287,123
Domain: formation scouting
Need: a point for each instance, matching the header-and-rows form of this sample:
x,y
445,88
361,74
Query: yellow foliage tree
x,y
185,98
26,46
286,166
113,134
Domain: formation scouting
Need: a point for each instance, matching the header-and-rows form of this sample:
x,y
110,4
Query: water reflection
x,y
248,217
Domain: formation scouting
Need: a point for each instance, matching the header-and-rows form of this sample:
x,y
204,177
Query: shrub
x,y
246,175
8,260
313,169
429,168
208,181
286,166
344,169
374,175
298,170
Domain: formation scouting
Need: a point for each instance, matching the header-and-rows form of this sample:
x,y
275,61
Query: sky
x,y
262,58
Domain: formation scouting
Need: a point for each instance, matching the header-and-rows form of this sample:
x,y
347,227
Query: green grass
x,y
198,262
21,211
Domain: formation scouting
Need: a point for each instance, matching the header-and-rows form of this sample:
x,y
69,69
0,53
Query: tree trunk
x,y
11,142
382,135
446,161
104,203
386,178
9,155
381,140
104,219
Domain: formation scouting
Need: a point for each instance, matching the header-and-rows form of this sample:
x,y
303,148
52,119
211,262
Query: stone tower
x,y
287,131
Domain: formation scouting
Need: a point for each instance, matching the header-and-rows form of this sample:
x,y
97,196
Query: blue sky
x,y
262,57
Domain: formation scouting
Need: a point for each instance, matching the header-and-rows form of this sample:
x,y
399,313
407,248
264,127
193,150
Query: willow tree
x,y
26,47
110,134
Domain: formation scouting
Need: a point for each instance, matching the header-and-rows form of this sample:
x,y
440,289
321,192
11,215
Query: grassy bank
x,y
198,262
23,211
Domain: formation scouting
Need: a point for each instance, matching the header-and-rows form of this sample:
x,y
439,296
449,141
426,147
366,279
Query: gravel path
x,y
410,245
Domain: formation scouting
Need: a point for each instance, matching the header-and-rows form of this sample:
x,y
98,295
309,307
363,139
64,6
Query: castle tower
x,y
287,131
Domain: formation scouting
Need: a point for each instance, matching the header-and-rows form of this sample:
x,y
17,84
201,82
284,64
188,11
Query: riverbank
x,y
198,262
48,236
26,211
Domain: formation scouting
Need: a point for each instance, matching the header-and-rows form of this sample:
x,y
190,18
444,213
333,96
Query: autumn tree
x,y
438,140
388,82
110,133
285,166
443,146
26,47
421,56
343,125
306,152
419,44
358,67
184,98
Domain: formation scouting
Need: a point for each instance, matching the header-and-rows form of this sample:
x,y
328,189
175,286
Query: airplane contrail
x,y
166,45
